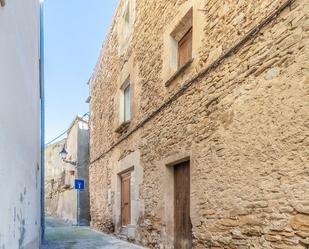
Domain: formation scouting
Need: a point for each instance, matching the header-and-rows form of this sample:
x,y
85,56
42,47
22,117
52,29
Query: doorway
x,y
182,220
126,199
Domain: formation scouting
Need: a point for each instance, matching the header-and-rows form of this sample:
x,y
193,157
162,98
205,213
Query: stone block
x,y
300,222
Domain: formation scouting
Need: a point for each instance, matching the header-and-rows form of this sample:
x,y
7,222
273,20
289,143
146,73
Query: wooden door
x,y
183,227
125,199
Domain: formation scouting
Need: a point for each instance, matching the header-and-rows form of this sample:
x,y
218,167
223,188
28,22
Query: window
x,y
185,49
126,101
127,22
181,42
67,179
126,25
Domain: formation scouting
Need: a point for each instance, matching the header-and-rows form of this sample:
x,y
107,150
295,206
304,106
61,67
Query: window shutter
x,y
185,49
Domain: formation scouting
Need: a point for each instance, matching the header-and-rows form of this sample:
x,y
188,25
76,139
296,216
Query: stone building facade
x,y
199,125
60,195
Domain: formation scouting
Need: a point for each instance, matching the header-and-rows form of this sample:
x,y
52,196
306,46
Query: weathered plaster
x,y
62,202
20,168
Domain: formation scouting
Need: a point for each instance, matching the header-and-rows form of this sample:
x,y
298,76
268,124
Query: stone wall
x,y
243,123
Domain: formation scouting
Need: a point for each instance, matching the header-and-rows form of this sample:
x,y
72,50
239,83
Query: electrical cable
x,y
63,133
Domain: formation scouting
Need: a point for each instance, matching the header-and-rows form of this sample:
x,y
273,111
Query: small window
x,y
185,49
181,42
126,25
127,22
127,102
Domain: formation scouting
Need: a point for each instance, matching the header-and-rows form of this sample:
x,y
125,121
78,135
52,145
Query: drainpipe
x,y
42,102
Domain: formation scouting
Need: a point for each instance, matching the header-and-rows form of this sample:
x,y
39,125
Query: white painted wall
x,y
19,125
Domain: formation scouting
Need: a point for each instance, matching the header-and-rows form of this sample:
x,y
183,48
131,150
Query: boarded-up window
x,y
185,49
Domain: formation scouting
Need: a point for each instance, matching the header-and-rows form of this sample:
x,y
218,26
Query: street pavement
x,y
60,235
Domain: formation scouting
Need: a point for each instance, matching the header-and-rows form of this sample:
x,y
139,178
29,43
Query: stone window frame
x,y
178,34
122,112
127,20
126,25
174,31
128,73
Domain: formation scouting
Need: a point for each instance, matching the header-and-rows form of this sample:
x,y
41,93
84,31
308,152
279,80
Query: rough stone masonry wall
x,y
244,125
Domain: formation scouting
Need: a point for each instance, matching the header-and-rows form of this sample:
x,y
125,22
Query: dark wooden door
x,y
125,199
183,227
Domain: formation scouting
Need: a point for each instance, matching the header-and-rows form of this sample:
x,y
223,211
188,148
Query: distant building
x,y
199,125
60,195
20,145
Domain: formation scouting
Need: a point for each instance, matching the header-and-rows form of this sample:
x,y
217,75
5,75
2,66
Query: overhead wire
x,y
63,133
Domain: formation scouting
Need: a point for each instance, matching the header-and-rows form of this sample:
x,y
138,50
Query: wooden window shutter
x,y
185,49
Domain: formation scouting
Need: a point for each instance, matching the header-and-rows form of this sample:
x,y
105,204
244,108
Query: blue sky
x,y
74,34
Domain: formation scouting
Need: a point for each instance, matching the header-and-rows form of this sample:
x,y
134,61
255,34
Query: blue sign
x,y
79,184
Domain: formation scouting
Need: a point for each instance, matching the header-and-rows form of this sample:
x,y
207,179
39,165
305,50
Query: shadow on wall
x,y
61,172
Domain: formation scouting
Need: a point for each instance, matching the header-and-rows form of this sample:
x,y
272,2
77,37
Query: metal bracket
x,y
70,162
2,3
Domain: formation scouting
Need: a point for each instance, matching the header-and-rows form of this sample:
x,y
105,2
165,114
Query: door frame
x,y
169,163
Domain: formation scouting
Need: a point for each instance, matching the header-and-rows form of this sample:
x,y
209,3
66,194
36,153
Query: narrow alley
x,y
154,124
61,235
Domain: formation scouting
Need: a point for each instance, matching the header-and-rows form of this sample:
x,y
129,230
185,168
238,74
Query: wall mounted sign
x,y
79,184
